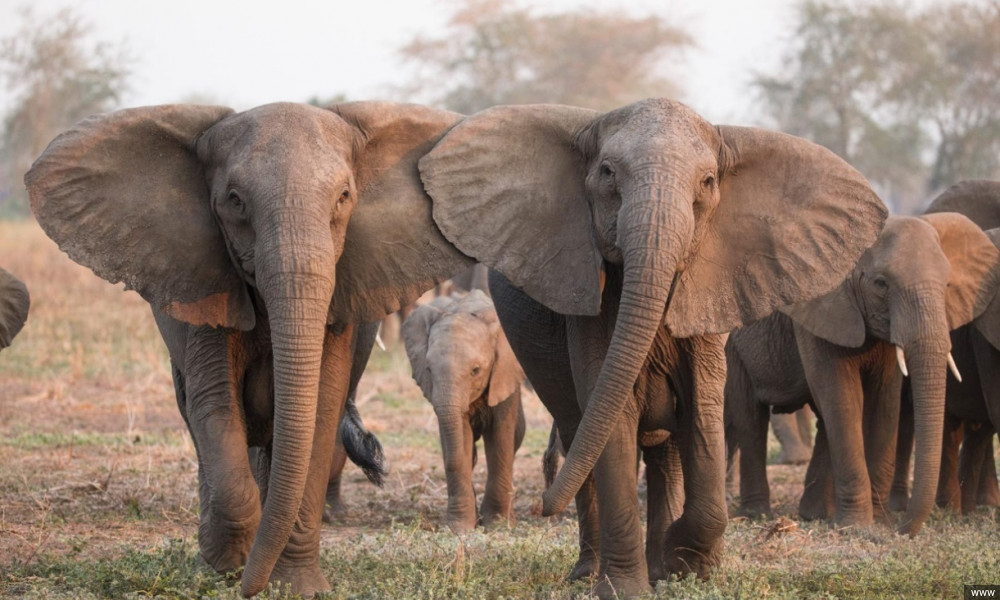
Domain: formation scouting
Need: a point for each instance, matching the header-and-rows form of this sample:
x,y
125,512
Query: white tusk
x,y
954,368
901,359
378,338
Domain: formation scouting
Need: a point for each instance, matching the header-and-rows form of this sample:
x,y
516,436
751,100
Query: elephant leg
x,y
539,339
334,507
298,564
794,451
746,435
899,495
693,543
835,383
988,367
989,492
229,498
804,420
664,500
550,459
500,443
817,500
949,491
971,462
880,423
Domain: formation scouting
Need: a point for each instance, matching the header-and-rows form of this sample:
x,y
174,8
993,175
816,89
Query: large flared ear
x,y
834,316
988,323
792,220
978,199
14,304
393,251
416,332
975,266
508,189
125,194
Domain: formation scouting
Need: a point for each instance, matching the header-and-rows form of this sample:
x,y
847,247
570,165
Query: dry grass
x,y
98,485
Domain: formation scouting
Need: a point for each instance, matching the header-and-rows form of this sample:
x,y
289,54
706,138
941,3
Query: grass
x,y
98,486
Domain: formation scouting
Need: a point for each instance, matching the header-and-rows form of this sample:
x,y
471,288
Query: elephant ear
x,y
14,303
988,323
834,316
978,199
519,164
393,251
125,194
975,266
416,332
791,222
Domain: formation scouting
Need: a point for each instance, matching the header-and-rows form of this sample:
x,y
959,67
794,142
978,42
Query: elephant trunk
x,y
453,423
653,236
296,279
920,328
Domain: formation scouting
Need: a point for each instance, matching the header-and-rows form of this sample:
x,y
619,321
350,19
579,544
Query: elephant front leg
x,y
501,441
334,507
817,501
623,572
229,499
664,500
298,564
693,543
882,392
899,494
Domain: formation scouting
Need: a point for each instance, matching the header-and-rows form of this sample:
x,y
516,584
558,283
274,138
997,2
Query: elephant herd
x,y
623,248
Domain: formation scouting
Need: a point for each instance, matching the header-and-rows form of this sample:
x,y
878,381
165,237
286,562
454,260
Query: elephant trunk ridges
x,y
296,279
651,235
921,330
452,424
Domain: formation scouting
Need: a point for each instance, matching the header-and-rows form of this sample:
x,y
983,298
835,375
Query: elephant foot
x,y
498,520
754,510
585,567
681,560
460,525
855,518
615,586
812,508
307,579
898,500
990,496
225,551
334,510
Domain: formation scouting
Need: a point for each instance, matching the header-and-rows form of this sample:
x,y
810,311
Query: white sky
x,y
251,52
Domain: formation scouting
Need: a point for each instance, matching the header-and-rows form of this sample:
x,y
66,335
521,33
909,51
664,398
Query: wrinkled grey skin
x,y
283,227
972,406
592,222
921,278
466,369
14,305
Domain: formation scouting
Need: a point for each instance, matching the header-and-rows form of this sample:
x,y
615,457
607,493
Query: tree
x,y
910,98
496,52
55,77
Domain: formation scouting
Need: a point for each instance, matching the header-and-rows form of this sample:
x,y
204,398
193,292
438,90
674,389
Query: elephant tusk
x,y
954,368
901,359
378,337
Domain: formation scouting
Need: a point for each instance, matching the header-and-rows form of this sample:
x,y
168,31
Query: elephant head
x,y
14,303
206,212
923,277
460,358
714,226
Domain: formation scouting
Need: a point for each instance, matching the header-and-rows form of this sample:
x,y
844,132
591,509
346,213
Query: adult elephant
x,y
625,245
14,304
922,278
286,223
467,370
973,404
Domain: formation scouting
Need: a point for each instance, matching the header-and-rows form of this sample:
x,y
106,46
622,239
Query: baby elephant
x,y
466,368
14,302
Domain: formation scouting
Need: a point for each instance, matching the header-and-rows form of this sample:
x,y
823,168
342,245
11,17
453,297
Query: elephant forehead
x,y
285,130
461,332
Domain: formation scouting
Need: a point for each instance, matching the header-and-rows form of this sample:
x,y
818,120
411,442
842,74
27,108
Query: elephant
x,y
839,353
972,405
285,226
467,370
794,433
14,304
623,247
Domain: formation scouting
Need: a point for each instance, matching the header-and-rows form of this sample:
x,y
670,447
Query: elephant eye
x,y
344,197
235,200
709,180
476,370
606,170
880,282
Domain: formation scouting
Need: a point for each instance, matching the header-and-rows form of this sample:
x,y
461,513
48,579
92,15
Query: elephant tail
x,y
362,447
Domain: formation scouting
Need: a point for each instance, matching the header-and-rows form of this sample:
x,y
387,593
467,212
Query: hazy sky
x,y
250,52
